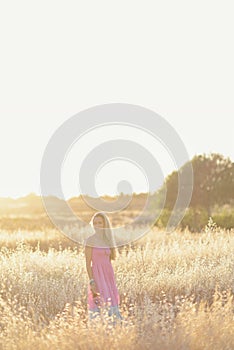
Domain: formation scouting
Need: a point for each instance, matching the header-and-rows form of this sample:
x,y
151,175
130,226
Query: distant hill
x,y
33,204
29,213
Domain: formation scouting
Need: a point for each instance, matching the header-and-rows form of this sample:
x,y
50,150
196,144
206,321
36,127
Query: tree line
x,y
213,188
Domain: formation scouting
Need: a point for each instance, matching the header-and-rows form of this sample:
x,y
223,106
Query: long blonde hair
x,y
108,234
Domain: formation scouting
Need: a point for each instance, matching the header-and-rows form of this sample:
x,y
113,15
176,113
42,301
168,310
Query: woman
x,y
99,250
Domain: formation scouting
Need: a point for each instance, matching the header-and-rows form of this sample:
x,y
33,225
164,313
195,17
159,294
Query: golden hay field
x,y
176,292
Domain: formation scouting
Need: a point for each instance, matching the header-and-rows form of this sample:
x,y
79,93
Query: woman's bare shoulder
x,y
90,241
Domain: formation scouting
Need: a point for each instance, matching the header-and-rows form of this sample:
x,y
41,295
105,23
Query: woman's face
x,y
98,222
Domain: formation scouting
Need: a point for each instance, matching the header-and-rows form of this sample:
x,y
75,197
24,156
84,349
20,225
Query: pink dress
x,y
103,275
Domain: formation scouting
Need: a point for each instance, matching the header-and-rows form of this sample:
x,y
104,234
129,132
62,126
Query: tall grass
x,y
176,292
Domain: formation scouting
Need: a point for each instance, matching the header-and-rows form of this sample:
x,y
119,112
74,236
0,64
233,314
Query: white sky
x,y
60,57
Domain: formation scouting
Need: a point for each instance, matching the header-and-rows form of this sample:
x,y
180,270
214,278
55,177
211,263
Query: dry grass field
x,y
176,292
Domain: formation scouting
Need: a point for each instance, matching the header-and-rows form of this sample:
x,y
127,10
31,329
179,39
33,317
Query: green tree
x,y
213,181
213,184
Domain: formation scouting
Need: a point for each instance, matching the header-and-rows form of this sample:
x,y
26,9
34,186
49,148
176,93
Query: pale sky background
x,y
61,57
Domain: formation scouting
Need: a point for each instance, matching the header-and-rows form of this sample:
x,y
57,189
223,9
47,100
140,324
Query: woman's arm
x,y
88,256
